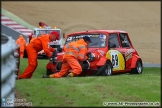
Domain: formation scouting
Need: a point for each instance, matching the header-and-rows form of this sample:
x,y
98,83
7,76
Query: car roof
x,y
100,31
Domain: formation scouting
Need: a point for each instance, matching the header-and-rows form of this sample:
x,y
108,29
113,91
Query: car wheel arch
x,y
135,58
102,61
138,68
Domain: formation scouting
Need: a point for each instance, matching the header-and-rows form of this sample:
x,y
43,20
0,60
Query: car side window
x,y
113,40
124,40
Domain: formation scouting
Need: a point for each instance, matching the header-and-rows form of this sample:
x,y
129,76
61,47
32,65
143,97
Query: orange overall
x,y
32,50
21,41
32,39
74,52
39,51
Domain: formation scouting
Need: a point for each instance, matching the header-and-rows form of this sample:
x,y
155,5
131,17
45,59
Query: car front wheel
x,y
107,69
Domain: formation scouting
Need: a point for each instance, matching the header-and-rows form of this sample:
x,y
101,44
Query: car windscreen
x,y
98,40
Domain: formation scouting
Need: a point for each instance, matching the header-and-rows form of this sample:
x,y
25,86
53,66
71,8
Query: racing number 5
x,y
114,57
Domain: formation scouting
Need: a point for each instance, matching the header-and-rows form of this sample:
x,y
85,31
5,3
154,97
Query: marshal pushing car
x,y
111,51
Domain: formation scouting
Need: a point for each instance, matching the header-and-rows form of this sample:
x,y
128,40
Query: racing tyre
x,y
58,66
107,69
138,69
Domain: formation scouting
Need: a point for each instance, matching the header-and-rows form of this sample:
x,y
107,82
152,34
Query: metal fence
x,y
9,66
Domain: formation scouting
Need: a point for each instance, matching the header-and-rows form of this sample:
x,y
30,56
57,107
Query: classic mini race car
x,y
111,51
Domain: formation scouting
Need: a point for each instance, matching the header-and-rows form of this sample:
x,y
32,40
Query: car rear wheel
x,y
138,69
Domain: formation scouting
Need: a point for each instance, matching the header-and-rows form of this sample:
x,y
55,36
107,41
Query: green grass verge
x,y
88,91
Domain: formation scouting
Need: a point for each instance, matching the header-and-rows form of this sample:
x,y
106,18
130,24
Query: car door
x,y
114,54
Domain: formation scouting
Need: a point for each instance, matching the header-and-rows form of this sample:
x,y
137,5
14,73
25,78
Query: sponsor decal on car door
x,y
117,59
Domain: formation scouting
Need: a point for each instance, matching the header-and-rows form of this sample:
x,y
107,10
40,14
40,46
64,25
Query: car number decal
x,y
114,59
117,59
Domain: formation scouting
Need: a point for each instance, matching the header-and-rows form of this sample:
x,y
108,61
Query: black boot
x,y
45,76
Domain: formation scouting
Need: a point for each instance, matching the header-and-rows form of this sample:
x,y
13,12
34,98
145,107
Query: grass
x,y
88,91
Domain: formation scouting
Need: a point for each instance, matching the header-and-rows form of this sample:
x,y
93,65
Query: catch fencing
x,y
10,60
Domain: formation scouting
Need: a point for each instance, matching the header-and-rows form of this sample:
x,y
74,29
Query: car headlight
x,y
91,56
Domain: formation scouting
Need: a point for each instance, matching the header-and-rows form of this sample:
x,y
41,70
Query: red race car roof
x,y
98,31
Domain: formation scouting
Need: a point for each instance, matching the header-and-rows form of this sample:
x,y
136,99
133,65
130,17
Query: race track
x,y
152,65
10,32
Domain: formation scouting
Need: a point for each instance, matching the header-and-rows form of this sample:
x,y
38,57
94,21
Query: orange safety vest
x,y
77,49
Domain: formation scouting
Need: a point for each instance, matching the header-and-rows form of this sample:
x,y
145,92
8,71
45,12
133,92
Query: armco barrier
x,y
9,66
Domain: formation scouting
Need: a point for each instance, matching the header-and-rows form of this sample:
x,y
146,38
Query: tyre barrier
x,y
10,61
